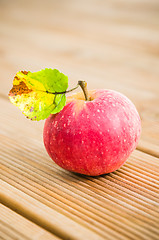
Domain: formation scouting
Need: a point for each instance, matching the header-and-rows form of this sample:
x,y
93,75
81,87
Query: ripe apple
x,y
93,137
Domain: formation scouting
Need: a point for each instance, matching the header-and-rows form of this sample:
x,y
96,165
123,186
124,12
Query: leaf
x,y
39,94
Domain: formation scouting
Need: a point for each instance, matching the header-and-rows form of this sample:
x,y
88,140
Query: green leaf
x,y
39,94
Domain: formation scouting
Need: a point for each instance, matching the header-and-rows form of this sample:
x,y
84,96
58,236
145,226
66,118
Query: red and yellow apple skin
x,y
93,137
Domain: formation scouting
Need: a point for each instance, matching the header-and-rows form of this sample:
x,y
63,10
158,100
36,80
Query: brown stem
x,y
62,92
83,85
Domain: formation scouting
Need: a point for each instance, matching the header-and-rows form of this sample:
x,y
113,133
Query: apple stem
x,y
72,89
80,83
83,85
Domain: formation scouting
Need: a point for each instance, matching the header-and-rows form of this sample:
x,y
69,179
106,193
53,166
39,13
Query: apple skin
x,y
93,137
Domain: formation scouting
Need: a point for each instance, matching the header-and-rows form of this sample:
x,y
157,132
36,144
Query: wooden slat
x,y
43,215
105,202
14,226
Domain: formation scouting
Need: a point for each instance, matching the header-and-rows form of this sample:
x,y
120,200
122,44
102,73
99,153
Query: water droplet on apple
x,y
55,124
68,123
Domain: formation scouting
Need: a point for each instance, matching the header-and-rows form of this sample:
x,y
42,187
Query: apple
x,y
93,137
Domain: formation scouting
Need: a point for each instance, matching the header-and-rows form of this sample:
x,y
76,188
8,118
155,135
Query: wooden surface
x,y
110,44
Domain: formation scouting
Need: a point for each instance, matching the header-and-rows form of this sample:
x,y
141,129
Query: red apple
x,y
93,137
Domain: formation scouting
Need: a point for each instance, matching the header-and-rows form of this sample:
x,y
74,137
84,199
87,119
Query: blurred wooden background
x,y
110,44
